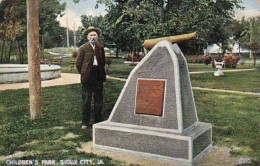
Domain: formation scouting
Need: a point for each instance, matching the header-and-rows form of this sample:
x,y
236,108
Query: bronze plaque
x,y
150,97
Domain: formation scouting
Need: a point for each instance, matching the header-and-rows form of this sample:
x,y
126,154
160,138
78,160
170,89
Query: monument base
x,y
156,143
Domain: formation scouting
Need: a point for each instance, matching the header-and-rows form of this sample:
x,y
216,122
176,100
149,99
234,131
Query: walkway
x,y
65,79
225,71
69,78
206,89
227,91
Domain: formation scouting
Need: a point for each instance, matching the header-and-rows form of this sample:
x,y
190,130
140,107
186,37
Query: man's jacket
x,y
85,59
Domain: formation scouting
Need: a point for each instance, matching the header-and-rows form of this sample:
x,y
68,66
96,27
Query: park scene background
x,y
230,102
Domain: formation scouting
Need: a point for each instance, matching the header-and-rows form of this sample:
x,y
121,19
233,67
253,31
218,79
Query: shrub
x,y
194,59
134,57
207,59
230,60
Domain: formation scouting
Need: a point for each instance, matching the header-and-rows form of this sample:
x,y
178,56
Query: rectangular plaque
x,y
150,97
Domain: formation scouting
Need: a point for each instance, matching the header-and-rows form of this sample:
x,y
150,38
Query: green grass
x,y
116,69
39,138
199,67
119,69
63,50
240,81
235,120
65,66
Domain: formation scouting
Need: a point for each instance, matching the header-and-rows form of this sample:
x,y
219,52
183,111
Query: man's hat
x,y
91,28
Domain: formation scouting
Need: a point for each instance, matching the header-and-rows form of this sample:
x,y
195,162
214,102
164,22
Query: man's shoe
x,y
83,127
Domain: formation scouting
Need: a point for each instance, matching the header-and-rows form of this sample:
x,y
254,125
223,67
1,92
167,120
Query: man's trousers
x,y
95,90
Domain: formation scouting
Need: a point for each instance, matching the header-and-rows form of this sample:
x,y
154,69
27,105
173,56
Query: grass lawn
x,y
45,138
240,81
235,120
57,135
119,69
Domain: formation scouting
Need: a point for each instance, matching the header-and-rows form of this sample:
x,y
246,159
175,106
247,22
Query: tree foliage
x,y
250,36
13,25
246,32
133,21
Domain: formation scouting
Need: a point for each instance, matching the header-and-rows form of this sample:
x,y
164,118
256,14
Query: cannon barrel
x,y
148,44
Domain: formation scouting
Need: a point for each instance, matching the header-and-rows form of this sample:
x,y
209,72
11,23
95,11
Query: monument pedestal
x,y
155,115
154,143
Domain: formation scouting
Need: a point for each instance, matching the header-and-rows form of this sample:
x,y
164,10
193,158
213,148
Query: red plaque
x,y
150,97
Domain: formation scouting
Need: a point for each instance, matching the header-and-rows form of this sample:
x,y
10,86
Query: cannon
x,y
148,44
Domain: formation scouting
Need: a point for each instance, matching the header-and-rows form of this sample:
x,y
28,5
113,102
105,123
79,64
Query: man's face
x,y
92,35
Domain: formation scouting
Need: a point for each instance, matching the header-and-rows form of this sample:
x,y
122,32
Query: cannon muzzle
x,y
148,44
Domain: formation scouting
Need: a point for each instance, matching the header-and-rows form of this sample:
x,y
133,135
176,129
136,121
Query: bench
x,y
52,61
55,61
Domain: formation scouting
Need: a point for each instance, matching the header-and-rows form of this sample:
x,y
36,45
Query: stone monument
x,y
155,115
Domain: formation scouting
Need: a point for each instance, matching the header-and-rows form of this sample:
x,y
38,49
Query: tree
x,y
10,25
250,37
236,29
125,24
54,37
143,19
246,33
13,24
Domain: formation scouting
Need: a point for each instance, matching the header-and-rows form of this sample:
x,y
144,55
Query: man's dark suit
x,y
92,78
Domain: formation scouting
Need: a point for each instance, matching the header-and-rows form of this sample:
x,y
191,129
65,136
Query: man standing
x,y
91,66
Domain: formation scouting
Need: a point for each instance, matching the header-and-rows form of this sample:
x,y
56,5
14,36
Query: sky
x,y
75,10
252,8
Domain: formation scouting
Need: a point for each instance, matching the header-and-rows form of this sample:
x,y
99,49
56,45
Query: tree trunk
x,y
239,46
6,58
10,49
197,50
42,47
0,56
20,56
3,47
33,59
117,52
21,53
254,56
